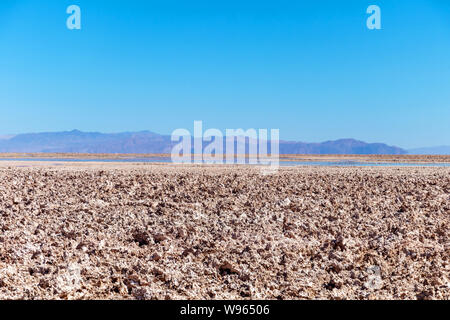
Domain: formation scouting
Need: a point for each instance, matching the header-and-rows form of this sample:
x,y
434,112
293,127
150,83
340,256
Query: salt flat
x,y
157,231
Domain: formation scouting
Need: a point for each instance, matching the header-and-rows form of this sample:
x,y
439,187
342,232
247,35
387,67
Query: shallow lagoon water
x,y
344,163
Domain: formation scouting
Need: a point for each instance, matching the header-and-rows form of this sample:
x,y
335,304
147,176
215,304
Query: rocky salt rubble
x,y
173,232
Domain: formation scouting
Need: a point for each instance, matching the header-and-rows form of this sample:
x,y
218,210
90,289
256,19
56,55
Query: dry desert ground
x,y
149,231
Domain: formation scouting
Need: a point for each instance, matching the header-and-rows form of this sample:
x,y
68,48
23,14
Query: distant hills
x,y
88,142
441,150
342,146
149,142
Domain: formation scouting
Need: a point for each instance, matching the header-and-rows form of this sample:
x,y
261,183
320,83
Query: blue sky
x,y
310,68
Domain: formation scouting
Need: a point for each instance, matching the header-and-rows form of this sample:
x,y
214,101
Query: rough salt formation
x,y
173,232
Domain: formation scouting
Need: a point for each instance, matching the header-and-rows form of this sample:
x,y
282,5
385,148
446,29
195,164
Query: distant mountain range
x,y
441,150
149,142
342,146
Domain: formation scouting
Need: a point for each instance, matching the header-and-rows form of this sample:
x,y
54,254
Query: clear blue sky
x,y
310,68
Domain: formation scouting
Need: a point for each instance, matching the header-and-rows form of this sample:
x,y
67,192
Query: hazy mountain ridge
x,y
342,146
440,150
149,142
